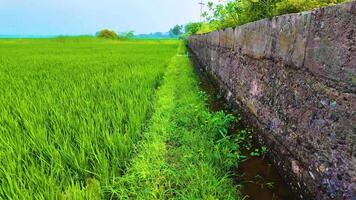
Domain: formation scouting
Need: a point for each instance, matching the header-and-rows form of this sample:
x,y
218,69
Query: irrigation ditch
x,y
258,177
260,180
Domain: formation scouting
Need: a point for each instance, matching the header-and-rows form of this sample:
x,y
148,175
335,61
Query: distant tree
x,y
156,35
177,30
127,35
192,28
130,34
108,34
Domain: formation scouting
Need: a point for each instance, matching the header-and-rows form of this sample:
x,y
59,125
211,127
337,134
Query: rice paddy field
x,y
84,118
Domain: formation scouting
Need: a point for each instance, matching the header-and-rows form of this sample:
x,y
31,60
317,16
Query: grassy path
x,y
182,155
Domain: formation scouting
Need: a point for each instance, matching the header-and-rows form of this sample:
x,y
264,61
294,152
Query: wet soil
x,y
260,180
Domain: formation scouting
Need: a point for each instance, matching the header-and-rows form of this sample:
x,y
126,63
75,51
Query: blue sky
x,y
75,17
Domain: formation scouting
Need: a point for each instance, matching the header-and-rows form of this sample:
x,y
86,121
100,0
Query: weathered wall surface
x,y
294,77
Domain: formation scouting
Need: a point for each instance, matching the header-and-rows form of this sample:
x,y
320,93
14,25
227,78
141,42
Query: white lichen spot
x,y
311,175
254,91
295,167
229,94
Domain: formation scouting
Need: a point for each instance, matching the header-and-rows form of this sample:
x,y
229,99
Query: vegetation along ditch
x,y
253,171
246,100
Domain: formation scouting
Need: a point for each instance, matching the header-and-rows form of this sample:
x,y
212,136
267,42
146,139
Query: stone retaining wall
x,y
294,79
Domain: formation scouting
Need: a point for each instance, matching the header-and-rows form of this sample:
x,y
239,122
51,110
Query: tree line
x,y
231,13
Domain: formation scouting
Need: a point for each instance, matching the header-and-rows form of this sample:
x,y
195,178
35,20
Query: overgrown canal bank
x,y
260,180
183,154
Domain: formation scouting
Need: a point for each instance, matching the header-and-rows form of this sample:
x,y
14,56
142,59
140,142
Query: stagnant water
x,y
259,178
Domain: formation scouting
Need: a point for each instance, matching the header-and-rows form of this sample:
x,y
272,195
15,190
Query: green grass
x,y
183,155
83,118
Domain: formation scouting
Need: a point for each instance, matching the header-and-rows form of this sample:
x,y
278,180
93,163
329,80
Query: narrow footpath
x,y
184,154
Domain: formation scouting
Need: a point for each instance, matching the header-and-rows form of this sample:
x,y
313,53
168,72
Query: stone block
x,y
290,33
254,39
222,38
229,32
215,38
330,51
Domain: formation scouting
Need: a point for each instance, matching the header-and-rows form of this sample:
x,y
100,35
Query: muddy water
x,y
260,180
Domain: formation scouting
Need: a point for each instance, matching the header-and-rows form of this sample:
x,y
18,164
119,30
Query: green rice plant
x,y
84,118
72,111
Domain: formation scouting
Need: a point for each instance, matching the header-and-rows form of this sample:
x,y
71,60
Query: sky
x,y
77,17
